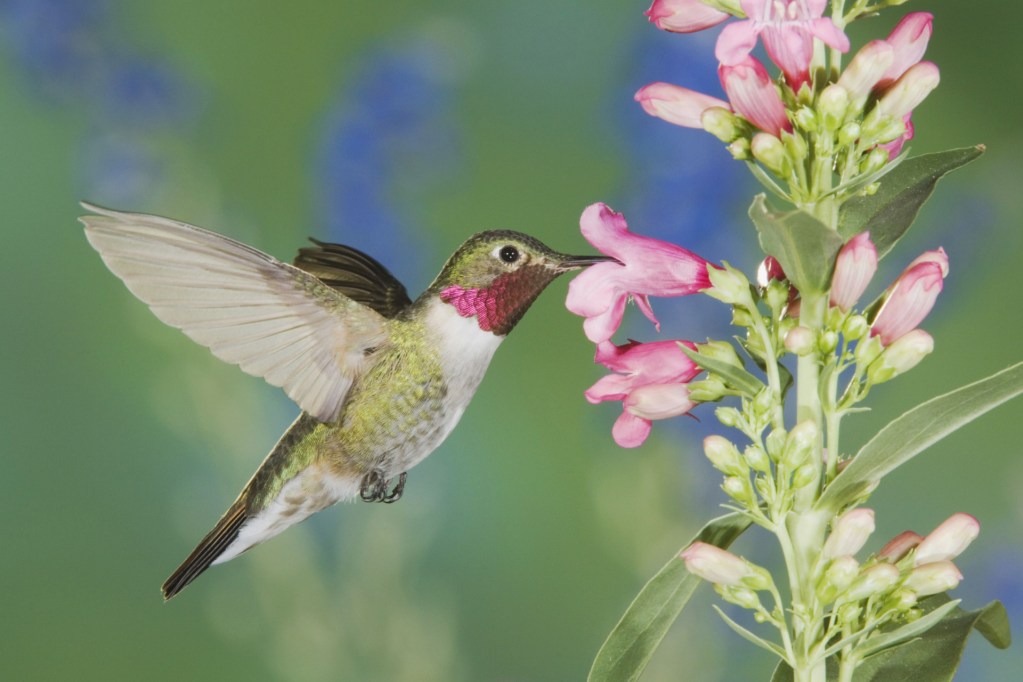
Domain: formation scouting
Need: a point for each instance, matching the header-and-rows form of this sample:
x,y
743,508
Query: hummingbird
x,y
381,379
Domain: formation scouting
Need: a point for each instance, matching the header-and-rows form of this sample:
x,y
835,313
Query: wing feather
x,y
271,319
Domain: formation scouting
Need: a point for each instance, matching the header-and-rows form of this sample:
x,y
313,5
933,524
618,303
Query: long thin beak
x,y
577,262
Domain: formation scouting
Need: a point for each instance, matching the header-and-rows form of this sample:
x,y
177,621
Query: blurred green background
x,y
403,127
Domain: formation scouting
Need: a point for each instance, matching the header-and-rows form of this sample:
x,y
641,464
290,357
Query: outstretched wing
x,y
269,318
356,275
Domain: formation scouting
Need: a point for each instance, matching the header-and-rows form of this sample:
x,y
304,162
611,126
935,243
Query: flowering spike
x,y
854,268
683,16
754,95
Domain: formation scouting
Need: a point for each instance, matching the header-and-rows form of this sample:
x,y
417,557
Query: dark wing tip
x,y
207,551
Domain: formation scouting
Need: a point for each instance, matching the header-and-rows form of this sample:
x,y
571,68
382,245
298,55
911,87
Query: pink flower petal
x,y
659,401
909,42
676,104
910,90
911,297
630,431
735,43
754,95
684,16
854,268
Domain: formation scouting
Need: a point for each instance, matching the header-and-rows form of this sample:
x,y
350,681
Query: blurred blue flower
x,y
388,140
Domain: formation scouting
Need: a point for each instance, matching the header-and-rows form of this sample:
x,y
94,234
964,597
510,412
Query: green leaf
x,y
917,429
805,247
750,636
734,376
890,211
628,648
935,655
898,635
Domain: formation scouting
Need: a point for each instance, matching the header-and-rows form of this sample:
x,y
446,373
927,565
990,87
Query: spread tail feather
x,y
208,549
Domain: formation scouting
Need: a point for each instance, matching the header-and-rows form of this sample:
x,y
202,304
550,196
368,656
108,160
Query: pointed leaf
x,y
886,640
917,429
750,636
734,376
805,247
935,655
890,212
633,641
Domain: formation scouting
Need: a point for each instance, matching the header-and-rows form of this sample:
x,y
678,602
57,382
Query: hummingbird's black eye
x,y
509,254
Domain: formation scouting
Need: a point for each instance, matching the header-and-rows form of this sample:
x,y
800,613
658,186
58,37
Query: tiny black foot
x,y
374,488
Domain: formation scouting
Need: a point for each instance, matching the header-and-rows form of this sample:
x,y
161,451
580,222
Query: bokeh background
x,y
401,128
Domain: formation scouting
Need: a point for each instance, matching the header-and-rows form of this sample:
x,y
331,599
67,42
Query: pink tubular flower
x,y
650,381
911,297
899,546
910,90
849,533
646,267
932,578
721,567
909,42
948,540
675,104
684,16
866,69
788,28
754,95
855,266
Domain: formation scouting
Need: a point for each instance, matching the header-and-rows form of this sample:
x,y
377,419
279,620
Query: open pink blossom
x,y
650,380
855,266
788,29
678,105
684,16
911,297
754,95
645,267
909,42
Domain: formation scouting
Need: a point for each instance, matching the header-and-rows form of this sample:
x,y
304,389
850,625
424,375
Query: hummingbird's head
x,y
496,275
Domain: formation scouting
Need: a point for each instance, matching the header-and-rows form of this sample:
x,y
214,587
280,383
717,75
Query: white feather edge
x,y
271,319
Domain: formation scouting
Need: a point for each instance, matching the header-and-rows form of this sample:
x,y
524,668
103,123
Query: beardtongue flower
x,y
684,16
911,297
645,267
788,29
909,42
948,540
753,94
650,381
678,105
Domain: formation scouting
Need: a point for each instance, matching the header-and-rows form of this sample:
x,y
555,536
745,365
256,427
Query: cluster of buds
x,y
858,118
888,585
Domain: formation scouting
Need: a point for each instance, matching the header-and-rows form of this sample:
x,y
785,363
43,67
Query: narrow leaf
x,y
916,430
935,654
805,247
750,636
886,640
733,376
633,641
890,212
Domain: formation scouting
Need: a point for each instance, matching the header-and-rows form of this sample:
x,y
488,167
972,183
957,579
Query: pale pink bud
x,y
909,42
721,567
932,578
799,340
855,266
754,95
874,580
683,16
907,351
866,69
948,540
910,90
659,401
675,104
911,297
899,546
849,533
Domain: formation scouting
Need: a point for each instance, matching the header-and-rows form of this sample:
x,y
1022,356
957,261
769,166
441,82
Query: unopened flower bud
x,y
799,340
708,390
837,578
659,401
911,297
855,327
833,103
874,161
849,613
806,119
849,533
873,580
739,489
728,416
849,133
948,540
721,567
899,546
804,476
909,91
866,69
738,595
775,443
796,146
932,578
721,123
799,443
768,271
854,268
757,458
724,455
827,342
868,350
739,149
722,351
768,150
904,354
900,601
